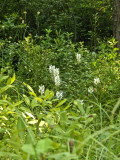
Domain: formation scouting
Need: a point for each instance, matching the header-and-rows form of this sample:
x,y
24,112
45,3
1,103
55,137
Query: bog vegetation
x,y
59,81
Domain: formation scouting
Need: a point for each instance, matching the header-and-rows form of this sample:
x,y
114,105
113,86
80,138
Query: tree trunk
x,y
116,21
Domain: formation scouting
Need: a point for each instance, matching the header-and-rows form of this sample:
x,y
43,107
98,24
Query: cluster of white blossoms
x,y
55,75
90,89
41,89
59,94
96,80
78,57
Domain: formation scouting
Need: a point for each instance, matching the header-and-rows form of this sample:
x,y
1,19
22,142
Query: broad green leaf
x,y
80,106
88,120
44,145
21,128
5,101
61,103
28,148
26,99
9,81
3,78
59,130
13,78
48,94
39,99
30,136
18,103
68,106
32,93
34,103
3,89
28,87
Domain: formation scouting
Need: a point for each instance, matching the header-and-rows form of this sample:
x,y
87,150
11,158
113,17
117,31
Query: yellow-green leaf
x,y
61,103
32,93
26,99
28,87
39,99
13,78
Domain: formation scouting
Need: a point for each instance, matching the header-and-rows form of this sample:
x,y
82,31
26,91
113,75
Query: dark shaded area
x,y
88,21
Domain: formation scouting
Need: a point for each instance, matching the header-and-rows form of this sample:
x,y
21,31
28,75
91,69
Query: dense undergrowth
x,y
59,100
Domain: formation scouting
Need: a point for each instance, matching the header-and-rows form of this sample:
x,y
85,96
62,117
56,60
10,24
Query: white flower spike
x,y
59,94
96,80
41,89
57,81
78,57
90,90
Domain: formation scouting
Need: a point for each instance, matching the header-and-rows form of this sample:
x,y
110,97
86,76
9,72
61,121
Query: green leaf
x,y
34,103
80,106
90,119
39,99
21,128
5,101
48,94
28,87
61,103
3,89
30,136
3,78
28,148
68,106
11,80
18,103
26,99
32,93
30,133
44,145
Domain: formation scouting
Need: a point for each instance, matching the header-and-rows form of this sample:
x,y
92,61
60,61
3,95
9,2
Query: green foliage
x,y
31,62
87,20
51,129
58,98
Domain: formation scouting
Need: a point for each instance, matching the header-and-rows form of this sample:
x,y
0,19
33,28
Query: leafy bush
x,y
31,62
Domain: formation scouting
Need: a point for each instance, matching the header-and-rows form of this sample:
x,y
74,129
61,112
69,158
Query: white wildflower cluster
x,y
96,80
59,94
57,81
55,74
41,89
90,89
78,57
